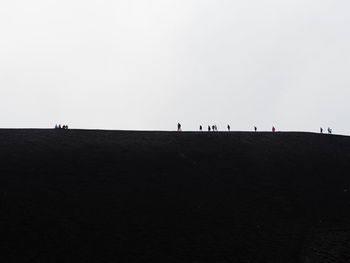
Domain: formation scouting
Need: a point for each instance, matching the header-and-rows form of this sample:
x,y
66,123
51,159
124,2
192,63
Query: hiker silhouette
x,y
178,127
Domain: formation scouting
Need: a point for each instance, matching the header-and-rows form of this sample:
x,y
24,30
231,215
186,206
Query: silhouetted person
x,y
273,129
59,126
178,127
229,127
321,130
200,128
255,129
56,127
209,128
213,127
329,130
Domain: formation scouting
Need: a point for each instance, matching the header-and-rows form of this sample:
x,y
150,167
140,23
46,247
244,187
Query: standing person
x,y
255,129
229,127
200,127
321,130
208,127
273,129
178,127
213,128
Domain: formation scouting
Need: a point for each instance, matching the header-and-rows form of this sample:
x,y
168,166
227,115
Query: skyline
x,y
132,65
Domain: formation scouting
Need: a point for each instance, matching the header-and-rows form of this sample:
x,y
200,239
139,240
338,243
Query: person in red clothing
x,y
273,129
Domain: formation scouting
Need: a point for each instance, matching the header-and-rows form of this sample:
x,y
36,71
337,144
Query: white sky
x,y
148,64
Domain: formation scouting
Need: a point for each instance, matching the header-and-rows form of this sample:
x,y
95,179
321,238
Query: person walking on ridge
x,y
273,129
178,127
229,127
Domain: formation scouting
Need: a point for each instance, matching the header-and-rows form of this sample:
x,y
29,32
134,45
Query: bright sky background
x,y
148,64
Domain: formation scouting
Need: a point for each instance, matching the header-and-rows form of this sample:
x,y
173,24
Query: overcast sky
x,y
148,64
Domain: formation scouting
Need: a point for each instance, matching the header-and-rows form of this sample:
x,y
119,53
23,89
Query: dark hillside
x,y
111,196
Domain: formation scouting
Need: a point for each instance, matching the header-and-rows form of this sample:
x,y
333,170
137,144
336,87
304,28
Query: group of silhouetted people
x,y
214,128
330,131
61,127
210,128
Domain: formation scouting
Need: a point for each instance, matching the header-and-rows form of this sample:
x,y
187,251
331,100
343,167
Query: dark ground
x,y
111,196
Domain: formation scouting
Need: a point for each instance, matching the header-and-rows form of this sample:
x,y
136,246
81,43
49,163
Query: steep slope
x,y
113,196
